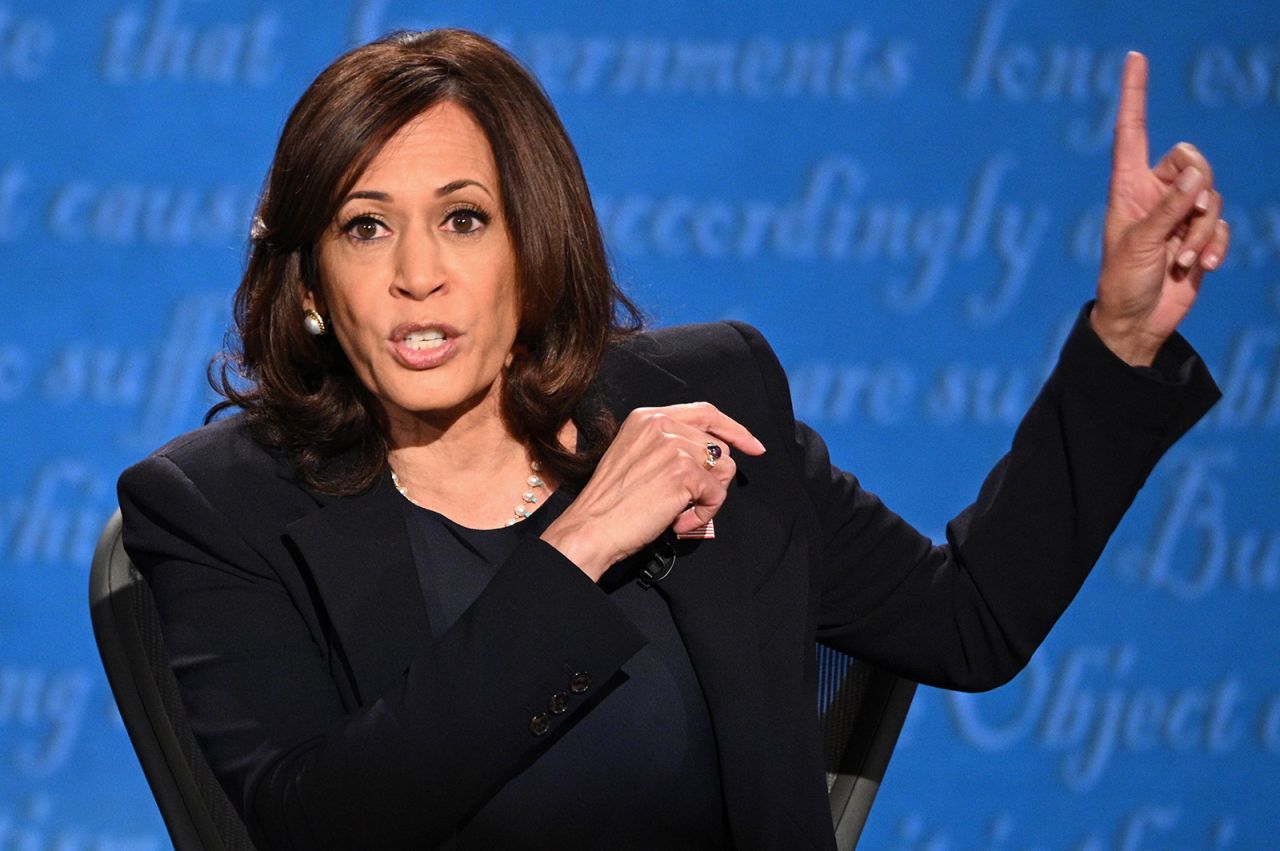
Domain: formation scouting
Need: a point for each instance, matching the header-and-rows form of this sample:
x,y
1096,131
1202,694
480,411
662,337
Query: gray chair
x,y
862,709
127,627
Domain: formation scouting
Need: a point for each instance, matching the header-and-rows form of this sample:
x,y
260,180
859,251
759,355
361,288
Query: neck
x,y
467,466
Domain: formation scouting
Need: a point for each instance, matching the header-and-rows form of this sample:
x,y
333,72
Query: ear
x,y
307,278
518,350
311,300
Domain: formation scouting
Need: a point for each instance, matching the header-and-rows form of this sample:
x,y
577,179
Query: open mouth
x,y
422,340
423,346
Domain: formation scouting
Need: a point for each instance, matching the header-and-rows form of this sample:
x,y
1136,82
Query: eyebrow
x,y
366,193
455,185
447,189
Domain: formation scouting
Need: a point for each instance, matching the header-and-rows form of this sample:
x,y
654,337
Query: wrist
x,y
1127,342
574,543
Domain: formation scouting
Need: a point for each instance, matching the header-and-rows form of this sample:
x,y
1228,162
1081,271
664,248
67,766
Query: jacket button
x,y
539,724
579,683
558,704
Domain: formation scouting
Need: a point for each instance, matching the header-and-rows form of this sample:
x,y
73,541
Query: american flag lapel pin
x,y
705,532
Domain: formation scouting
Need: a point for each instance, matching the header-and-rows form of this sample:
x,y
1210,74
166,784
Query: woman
x,y
377,649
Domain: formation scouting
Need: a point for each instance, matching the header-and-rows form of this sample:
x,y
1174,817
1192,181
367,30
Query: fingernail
x,y
1189,179
1186,258
1210,261
1202,200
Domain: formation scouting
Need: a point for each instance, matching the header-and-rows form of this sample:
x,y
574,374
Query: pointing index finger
x,y
708,418
1129,151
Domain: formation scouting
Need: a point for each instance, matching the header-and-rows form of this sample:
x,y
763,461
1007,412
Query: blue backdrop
x,y
905,196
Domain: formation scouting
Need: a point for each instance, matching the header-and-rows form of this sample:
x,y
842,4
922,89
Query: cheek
x,y
503,301
511,292
509,310
354,325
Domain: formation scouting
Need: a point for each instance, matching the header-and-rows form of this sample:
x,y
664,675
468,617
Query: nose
x,y
420,267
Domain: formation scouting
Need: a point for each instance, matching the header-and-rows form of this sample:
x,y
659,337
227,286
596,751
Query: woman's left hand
x,y
1162,232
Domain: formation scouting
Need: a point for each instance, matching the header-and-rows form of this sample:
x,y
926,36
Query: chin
x,y
442,402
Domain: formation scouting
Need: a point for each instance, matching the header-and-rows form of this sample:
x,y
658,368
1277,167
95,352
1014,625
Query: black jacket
x,y
298,635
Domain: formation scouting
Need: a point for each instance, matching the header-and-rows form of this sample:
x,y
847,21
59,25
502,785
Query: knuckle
x,y
1192,153
1196,240
1200,161
654,421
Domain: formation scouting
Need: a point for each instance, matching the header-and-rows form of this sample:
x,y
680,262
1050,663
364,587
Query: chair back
x,y
861,709
126,625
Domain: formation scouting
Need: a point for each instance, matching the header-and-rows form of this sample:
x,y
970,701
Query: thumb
x,y
692,518
696,515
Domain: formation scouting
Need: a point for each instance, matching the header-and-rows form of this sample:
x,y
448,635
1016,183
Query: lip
x,y
423,358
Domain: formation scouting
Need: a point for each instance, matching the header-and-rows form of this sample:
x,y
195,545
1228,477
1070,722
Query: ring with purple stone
x,y
713,455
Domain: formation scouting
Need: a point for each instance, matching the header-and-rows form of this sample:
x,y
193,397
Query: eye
x,y
465,220
364,228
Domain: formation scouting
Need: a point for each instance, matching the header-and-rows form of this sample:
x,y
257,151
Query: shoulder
x,y
225,447
222,463
716,353
729,364
726,359
227,436
680,347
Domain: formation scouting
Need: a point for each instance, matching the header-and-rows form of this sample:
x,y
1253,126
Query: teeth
x,y
418,340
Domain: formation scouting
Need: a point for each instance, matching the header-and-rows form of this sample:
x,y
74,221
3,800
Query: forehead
x,y
441,145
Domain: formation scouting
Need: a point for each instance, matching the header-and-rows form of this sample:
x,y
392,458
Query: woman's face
x,y
418,273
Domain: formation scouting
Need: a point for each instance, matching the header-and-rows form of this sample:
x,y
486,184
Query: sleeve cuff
x,y
1176,389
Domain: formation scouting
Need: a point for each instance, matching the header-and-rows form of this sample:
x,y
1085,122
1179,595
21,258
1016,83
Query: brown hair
x,y
298,391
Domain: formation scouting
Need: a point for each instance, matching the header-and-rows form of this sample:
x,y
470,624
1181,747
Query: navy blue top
x,y
645,755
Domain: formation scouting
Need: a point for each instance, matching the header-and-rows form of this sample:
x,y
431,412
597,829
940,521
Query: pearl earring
x,y
314,323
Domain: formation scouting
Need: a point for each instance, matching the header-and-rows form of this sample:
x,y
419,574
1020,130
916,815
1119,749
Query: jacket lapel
x,y
359,554
711,604
712,608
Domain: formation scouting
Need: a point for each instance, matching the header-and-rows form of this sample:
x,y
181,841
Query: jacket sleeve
x,y
969,614
258,678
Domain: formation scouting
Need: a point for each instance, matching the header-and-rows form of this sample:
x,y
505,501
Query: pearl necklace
x,y
530,498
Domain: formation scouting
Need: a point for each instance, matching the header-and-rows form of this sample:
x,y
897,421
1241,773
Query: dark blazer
x,y
298,634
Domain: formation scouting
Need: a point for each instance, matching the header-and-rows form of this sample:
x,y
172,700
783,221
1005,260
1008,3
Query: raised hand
x,y
654,476
1162,232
